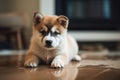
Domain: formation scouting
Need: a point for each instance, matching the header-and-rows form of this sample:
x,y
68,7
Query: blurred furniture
x,y
12,26
97,40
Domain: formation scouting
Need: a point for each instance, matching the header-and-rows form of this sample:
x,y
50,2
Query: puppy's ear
x,y
63,20
37,18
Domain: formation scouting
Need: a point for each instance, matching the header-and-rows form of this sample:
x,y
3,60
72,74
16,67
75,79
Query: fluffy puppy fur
x,y
50,43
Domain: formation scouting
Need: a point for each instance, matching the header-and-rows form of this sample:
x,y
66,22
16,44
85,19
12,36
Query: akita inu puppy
x,y
50,43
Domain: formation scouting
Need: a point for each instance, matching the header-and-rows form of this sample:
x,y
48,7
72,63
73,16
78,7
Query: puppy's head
x,y
49,31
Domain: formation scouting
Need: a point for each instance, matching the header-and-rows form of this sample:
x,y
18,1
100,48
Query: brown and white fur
x,y
50,42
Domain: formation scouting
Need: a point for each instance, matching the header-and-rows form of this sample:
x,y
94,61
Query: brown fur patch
x,y
48,22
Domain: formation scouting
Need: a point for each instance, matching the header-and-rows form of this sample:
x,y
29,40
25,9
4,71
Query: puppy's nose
x,y
48,42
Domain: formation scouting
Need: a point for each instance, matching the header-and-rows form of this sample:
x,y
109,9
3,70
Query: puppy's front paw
x,y
57,63
31,62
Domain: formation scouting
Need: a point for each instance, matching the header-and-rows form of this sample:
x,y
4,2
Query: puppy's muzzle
x,y
48,43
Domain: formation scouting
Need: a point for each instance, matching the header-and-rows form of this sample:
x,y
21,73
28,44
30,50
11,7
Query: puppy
x,y
50,43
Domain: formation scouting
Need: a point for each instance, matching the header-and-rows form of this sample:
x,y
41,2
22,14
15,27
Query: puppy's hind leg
x,y
76,58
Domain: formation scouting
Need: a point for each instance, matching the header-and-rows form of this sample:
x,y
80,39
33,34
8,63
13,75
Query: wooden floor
x,y
98,68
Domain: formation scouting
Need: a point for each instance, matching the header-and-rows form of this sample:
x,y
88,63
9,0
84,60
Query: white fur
x,y
58,63
68,48
53,29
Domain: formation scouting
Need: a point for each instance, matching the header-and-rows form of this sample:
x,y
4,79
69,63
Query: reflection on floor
x,y
105,67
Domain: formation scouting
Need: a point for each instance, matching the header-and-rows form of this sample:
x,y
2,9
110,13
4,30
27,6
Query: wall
x,y
47,7
23,6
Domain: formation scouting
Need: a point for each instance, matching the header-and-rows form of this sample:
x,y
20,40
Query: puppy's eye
x,y
43,32
56,33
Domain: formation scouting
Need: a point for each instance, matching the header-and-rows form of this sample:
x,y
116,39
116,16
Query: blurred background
x,y
94,23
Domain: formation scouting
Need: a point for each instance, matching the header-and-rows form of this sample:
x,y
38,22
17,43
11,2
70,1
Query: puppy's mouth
x,y
48,46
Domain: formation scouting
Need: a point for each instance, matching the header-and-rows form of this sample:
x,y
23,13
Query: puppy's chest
x,y
47,56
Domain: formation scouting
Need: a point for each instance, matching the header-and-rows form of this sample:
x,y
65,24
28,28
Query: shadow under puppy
x,y
50,42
